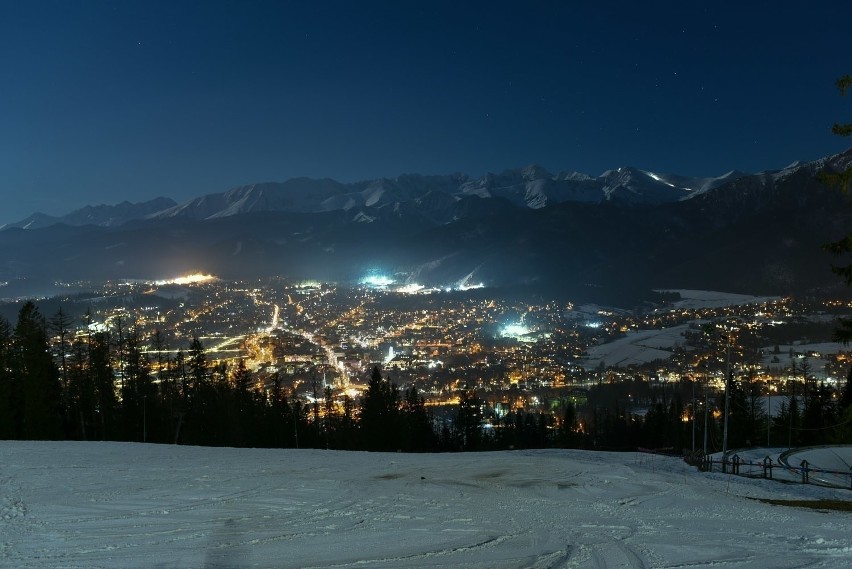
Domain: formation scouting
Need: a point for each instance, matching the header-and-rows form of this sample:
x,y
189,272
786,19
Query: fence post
x,y
805,472
736,464
767,467
724,464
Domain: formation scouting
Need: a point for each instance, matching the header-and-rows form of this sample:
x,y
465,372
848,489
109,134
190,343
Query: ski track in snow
x,y
74,505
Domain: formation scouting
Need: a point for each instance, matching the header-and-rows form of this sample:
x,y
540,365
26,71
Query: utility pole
x,y
144,418
768,412
727,399
705,409
692,412
295,420
790,412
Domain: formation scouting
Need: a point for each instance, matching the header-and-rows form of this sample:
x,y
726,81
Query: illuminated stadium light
x,y
188,279
514,331
377,280
391,355
412,288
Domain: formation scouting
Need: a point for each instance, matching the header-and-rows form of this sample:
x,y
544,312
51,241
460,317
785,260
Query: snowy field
x,y
636,347
714,299
783,360
109,505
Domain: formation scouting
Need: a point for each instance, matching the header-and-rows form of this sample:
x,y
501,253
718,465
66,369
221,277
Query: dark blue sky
x,y
102,101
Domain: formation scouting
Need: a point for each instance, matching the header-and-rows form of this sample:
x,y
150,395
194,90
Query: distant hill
x,y
101,215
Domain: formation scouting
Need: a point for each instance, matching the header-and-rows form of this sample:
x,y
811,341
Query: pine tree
x,y
841,180
197,363
138,395
81,391
330,420
9,396
37,376
380,414
60,326
843,433
794,425
197,425
242,406
567,427
820,416
469,419
103,383
417,433
846,394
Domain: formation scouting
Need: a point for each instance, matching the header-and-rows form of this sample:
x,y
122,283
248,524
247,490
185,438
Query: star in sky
x,y
109,101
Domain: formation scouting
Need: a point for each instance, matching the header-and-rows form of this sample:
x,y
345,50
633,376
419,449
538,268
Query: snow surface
x,y
714,299
783,360
636,347
134,505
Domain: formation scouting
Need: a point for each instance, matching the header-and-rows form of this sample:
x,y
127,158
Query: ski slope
x,y
122,505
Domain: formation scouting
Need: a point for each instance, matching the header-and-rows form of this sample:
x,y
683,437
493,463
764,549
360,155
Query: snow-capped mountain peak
x,y
530,187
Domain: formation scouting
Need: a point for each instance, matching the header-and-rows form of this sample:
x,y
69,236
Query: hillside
x,y
132,505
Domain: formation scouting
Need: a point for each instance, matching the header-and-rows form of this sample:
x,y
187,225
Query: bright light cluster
x,y
382,281
514,331
411,288
188,279
377,280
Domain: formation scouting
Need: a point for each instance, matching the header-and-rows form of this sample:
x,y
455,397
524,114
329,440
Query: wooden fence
x,y
765,469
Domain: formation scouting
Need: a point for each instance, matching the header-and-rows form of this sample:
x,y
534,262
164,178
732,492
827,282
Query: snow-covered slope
x,y
531,187
632,185
113,505
295,195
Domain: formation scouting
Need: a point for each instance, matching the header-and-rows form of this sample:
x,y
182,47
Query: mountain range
x,y
531,187
627,229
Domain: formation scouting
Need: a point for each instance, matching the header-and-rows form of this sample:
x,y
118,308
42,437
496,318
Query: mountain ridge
x,y
755,234
532,186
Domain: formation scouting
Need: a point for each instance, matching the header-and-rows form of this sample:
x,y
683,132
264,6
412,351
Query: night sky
x,y
106,101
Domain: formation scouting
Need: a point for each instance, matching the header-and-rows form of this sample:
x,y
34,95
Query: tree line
x,y
56,384
683,417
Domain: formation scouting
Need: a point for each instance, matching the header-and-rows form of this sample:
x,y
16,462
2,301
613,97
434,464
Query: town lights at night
x,y
195,278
